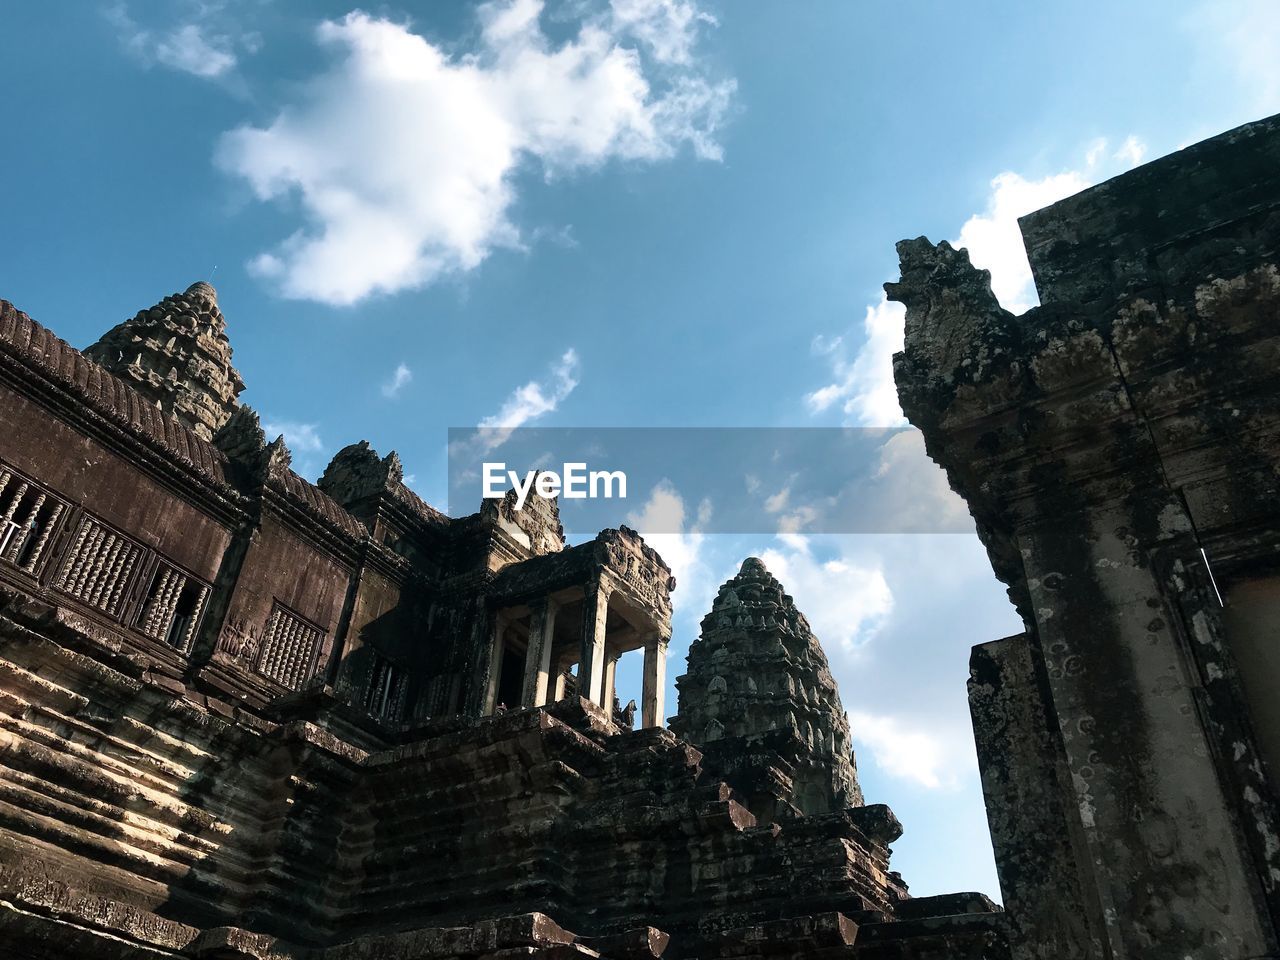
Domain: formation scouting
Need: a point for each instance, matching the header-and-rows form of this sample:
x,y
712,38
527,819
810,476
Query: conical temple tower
x,y
760,702
177,354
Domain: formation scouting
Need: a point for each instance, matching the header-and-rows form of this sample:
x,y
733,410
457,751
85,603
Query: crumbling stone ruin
x,y
1118,448
248,717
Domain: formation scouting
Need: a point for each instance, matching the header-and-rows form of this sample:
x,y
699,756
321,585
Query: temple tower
x,y
177,354
760,702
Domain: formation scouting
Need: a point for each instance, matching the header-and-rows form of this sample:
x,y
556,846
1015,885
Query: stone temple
x,y
248,717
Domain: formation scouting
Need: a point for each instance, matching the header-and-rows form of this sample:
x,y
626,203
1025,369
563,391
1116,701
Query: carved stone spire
x,y
177,354
760,702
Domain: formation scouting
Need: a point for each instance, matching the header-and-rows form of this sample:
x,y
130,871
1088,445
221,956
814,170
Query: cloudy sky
x,y
595,213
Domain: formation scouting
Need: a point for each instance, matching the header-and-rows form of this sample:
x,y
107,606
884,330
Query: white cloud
x,y
197,45
863,385
299,437
403,155
523,405
845,600
902,750
1095,153
778,501
399,378
537,397
669,28
1131,151
994,241
188,49
914,490
680,545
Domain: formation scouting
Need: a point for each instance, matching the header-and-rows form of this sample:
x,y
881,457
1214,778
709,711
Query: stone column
x,y
610,672
591,662
560,685
655,681
495,663
537,662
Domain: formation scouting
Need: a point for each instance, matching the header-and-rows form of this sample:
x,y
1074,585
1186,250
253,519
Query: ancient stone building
x,y
248,717
1119,448
758,690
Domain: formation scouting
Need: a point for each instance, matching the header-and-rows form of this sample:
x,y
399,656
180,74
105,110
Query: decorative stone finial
x,y
204,289
951,311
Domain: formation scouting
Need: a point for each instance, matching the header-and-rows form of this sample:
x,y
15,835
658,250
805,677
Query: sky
x,y
610,213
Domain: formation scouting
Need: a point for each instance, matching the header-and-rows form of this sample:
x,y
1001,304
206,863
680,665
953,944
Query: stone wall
x,y
1118,449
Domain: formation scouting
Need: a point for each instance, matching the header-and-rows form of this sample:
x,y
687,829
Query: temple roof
x,y
177,354
758,675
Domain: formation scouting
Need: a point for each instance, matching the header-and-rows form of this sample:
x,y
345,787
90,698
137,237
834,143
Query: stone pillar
x,y
591,662
1034,834
610,673
560,685
655,681
537,662
495,663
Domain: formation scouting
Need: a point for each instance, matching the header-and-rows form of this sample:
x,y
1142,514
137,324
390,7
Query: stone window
x,y
385,695
172,607
29,515
290,646
99,567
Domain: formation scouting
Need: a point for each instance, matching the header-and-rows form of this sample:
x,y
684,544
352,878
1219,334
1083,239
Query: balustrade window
x,y
28,517
98,567
289,648
172,607
385,695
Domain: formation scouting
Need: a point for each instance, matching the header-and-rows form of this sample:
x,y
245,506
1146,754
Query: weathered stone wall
x,y
183,817
99,479
1108,442
1025,783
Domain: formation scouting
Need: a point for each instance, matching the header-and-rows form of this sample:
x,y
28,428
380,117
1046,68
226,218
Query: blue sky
x,y
637,213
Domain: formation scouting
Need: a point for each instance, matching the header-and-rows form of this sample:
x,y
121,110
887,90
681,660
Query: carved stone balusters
x,y
13,504
108,568
112,603
69,568
87,562
151,616
93,567
184,642
163,604
8,528
43,540
24,530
